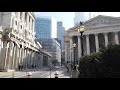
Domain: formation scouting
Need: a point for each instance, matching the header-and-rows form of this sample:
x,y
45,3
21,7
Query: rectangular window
x,y
25,16
16,22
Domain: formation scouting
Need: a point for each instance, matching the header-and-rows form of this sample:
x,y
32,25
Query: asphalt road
x,y
40,74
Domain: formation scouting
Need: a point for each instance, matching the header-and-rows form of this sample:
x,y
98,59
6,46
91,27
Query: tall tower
x,y
79,16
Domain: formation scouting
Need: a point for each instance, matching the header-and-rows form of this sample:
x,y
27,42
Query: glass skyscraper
x,y
45,27
60,33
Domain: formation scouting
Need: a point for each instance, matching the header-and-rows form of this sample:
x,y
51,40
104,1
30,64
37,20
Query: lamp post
x,y
74,45
81,30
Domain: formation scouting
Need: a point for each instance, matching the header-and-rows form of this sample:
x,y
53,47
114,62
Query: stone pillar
x,y
71,49
13,56
30,23
26,58
41,60
66,59
27,20
88,44
33,23
9,56
6,51
20,55
23,16
0,48
96,42
32,57
116,38
18,14
79,47
106,39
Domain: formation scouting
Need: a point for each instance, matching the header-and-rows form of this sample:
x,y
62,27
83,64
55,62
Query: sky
x,y
68,17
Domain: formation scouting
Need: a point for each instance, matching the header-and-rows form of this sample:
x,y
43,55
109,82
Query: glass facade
x,y
53,47
45,27
60,33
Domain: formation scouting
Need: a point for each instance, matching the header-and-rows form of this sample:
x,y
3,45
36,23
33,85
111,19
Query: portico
x,y
99,33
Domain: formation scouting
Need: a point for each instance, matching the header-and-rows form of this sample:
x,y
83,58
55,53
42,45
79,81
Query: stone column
x,y
18,14
116,38
26,57
13,56
20,55
0,48
41,60
88,44
9,55
33,23
66,59
27,20
30,23
23,16
79,47
106,39
71,49
96,42
6,51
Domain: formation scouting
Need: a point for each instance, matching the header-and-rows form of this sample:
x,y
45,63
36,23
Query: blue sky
x,y
68,17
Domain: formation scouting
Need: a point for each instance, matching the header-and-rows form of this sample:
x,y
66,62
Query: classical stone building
x,y
17,41
99,32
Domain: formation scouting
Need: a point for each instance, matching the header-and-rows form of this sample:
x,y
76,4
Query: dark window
x,y
25,16
16,22
20,15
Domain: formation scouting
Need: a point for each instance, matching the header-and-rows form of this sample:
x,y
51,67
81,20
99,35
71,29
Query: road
x,y
45,73
23,74
39,74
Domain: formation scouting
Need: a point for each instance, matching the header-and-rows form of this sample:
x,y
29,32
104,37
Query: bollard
x,y
56,74
29,75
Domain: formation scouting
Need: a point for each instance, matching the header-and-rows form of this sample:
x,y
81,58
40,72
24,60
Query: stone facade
x,y
17,41
99,32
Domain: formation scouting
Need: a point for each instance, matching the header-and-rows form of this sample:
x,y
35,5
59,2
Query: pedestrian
x,y
32,66
19,67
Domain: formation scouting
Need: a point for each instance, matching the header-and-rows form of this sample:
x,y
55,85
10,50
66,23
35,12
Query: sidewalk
x,y
62,73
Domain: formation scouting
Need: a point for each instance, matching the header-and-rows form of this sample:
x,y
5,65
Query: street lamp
x,y
81,29
74,45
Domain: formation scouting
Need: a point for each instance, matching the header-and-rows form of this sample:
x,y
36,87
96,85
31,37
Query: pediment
x,y
102,21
